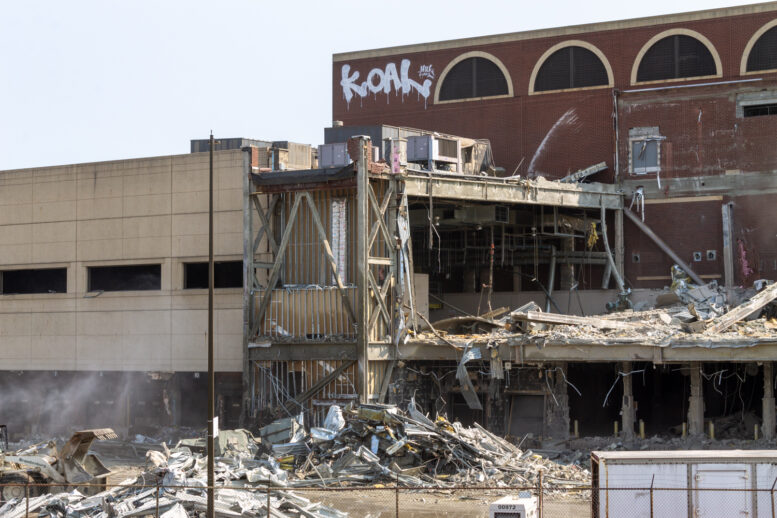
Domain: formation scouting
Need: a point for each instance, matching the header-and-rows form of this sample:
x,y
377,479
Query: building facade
x,y
679,107
103,312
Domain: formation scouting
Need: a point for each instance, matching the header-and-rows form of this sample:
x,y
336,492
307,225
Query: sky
x,y
86,81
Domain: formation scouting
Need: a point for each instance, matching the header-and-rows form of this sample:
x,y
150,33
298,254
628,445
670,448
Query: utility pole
x,y
211,377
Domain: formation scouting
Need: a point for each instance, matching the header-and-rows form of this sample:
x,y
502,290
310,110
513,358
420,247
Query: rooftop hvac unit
x,y
333,155
432,148
523,506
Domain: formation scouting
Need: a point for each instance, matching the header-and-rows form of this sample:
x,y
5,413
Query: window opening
x,y
40,280
763,55
227,274
676,57
471,78
571,67
125,278
757,110
645,151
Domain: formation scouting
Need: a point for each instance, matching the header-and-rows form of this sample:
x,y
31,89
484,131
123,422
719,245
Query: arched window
x,y
677,56
572,66
763,54
473,77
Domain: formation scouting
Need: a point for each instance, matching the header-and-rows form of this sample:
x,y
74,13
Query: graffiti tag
x,y
385,80
426,71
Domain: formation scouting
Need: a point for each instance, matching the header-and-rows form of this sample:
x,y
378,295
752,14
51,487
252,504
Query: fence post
x,y
652,481
396,497
269,513
539,484
27,498
157,498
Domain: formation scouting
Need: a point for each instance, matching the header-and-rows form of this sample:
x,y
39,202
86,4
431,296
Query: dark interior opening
x,y
43,280
227,274
125,278
595,416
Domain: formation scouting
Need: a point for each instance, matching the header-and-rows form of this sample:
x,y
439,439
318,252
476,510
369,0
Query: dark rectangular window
x,y
756,110
125,278
44,280
228,274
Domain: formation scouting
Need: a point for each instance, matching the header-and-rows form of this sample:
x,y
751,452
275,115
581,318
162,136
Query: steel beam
x,y
529,192
663,246
362,266
303,351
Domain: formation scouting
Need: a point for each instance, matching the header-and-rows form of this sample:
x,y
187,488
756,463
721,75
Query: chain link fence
x,y
32,500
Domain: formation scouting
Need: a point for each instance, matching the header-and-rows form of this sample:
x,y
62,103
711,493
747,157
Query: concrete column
x,y
557,404
768,411
516,278
566,270
696,402
469,281
628,412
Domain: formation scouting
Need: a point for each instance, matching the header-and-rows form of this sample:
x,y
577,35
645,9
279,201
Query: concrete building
x,y
103,275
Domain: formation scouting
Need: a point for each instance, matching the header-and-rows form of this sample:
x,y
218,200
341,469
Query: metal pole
x,y
539,484
652,481
269,513
211,398
663,246
157,499
27,498
396,497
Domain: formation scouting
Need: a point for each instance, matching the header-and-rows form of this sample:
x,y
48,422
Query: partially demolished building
x,y
625,148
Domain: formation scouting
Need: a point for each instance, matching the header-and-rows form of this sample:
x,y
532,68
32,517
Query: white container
x,y
513,507
681,482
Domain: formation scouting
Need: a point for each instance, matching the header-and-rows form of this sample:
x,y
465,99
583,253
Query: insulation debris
x,y
382,444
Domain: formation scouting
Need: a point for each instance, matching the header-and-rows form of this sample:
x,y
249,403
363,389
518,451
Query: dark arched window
x,y
763,55
676,57
570,67
473,77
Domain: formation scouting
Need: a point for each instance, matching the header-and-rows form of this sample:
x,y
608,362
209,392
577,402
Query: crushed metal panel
x,y
467,389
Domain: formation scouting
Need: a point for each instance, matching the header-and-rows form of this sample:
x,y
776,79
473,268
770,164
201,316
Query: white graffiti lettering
x,y
385,80
426,71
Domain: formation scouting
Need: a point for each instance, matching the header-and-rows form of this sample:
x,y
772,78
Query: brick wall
x,y
555,133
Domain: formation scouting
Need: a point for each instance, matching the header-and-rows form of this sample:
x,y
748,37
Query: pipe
x,y
552,279
613,268
659,88
663,246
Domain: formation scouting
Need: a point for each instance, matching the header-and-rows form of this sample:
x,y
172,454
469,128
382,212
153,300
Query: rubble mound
x,y
369,444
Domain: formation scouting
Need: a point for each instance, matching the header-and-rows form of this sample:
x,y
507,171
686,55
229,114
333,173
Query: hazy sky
x,y
84,81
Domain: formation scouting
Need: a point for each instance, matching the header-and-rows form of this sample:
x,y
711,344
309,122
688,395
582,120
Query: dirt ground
x,y
381,502
453,504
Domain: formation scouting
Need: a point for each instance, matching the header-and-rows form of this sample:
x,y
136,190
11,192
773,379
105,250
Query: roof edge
x,y
629,23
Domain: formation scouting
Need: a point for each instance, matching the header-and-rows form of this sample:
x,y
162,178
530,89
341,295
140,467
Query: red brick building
x,y
684,106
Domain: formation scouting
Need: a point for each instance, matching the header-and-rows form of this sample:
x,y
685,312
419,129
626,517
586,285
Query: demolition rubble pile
x,y
379,443
176,485
686,315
